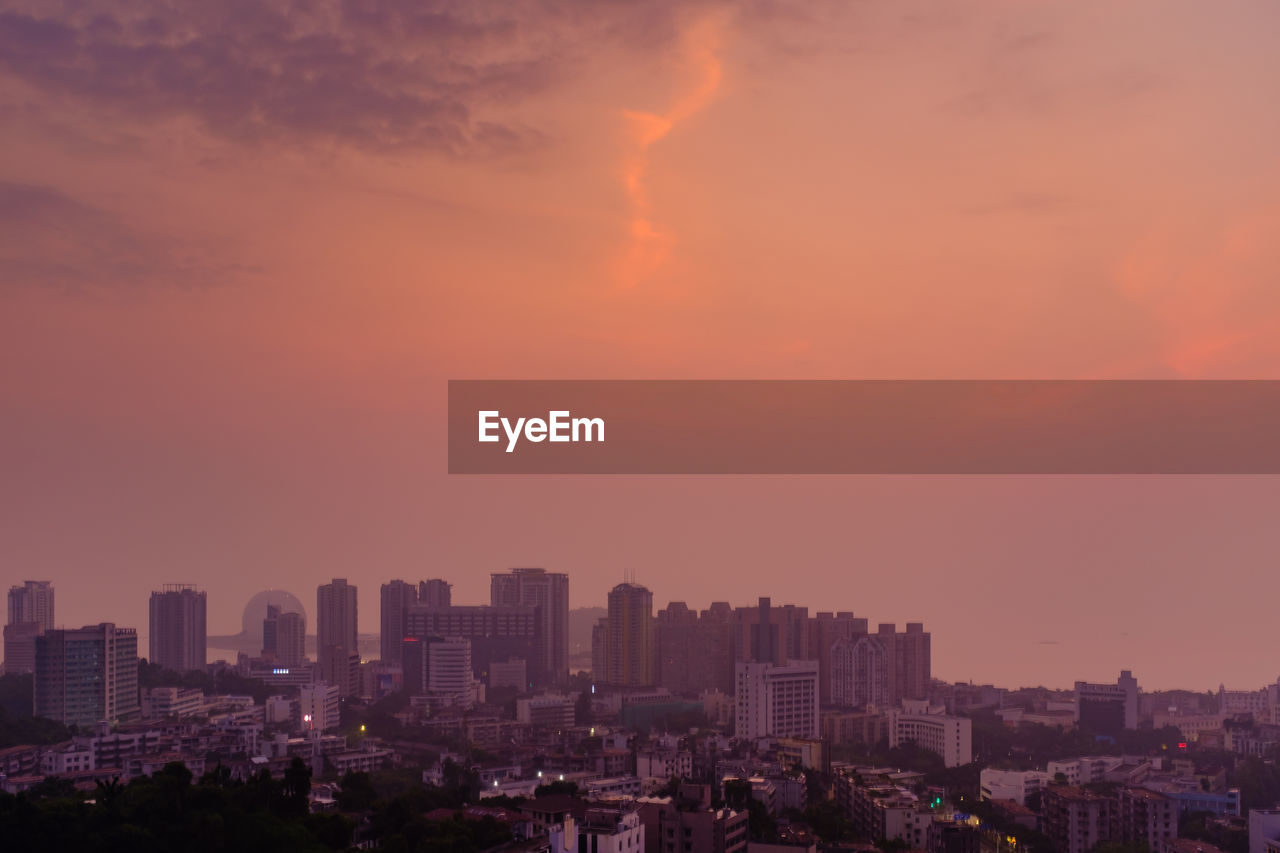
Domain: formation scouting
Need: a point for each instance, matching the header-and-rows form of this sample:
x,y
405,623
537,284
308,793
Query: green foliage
x,y
166,812
1259,784
829,823
569,789
225,682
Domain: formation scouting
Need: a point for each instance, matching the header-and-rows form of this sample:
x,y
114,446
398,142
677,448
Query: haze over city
x,y
227,319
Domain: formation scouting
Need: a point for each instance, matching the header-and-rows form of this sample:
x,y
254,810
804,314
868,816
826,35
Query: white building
x,y
318,707
777,701
603,829
161,702
549,710
1264,830
664,763
1085,770
1014,785
929,727
449,666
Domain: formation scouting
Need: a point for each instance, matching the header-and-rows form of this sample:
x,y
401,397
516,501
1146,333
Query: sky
x,y
244,245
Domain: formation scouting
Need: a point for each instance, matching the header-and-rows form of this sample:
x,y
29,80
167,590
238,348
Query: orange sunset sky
x,y
244,245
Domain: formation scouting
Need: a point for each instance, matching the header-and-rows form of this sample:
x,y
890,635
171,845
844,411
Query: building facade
x,y
549,592
87,675
777,701
178,633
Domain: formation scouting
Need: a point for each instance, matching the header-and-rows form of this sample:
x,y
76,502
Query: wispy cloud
x,y
48,238
649,244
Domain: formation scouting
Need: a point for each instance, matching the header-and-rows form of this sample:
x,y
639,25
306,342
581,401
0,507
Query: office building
x,y
549,592
284,637
929,727
87,675
435,593
337,621
825,630
777,701
31,602
1108,708
20,647
496,634
177,629
318,707
340,668
628,637
449,666
397,597
859,673
693,652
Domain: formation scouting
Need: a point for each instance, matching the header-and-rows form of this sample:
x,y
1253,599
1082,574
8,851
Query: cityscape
x,y
640,426
734,728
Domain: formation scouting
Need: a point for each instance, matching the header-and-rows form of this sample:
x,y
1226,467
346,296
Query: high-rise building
x,y
628,654
87,675
449,666
31,602
178,634
397,598
318,707
548,591
20,647
435,593
768,634
340,667
291,639
336,617
1108,708
825,630
859,672
284,636
912,662
777,701
495,633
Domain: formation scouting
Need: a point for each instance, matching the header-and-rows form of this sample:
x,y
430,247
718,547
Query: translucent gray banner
x,y
864,427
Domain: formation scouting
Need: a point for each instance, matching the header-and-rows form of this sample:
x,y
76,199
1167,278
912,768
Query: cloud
x,y
51,239
649,245
310,71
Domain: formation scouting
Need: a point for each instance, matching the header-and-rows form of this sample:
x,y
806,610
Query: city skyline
x,y
873,627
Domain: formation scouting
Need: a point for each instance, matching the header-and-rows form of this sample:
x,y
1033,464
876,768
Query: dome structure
x,y
256,610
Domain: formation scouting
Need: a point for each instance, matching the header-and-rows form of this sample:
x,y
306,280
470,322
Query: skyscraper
x,y
548,591
86,675
20,647
291,639
284,636
31,602
336,618
435,593
629,637
397,598
178,635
